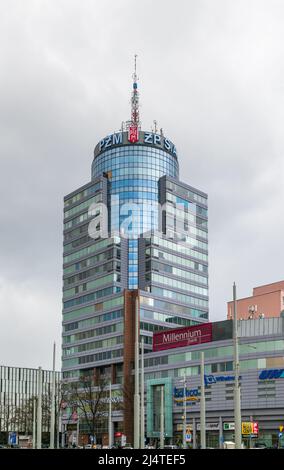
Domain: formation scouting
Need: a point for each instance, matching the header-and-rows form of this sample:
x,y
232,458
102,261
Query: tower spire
x,y
134,123
135,98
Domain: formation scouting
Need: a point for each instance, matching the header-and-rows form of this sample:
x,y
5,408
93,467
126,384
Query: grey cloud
x,y
210,73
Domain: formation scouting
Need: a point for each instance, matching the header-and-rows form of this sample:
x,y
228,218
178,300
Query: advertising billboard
x,y
181,337
250,428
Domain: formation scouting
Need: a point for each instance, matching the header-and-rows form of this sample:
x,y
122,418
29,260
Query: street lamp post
x,y
52,421
184,413
136,378
162,425
237,394
202,406
142,418
58,417
78,429
34,422
39,410
110,443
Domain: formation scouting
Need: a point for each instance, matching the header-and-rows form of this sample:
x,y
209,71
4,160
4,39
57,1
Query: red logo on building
x,y
255,428
180,337
133,134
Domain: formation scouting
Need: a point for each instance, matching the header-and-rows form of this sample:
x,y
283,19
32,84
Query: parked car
x,y
229,445
260,445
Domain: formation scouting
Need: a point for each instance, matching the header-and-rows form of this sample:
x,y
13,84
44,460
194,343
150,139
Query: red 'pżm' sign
x,y
181,337
133,134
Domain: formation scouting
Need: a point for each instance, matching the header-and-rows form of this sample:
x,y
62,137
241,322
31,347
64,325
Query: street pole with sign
x,y
237,390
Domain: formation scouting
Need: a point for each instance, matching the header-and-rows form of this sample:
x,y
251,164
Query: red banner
x,y
133,134
254,428
181,337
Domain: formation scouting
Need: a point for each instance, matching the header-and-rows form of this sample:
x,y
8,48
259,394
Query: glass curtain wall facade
x,y
154,242
18,390
161,252
135,171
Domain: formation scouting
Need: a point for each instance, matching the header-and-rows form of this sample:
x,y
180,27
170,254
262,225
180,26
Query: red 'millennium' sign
x,y
180,337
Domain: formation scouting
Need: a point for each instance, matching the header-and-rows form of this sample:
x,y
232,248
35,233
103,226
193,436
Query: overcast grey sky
x,y
212,75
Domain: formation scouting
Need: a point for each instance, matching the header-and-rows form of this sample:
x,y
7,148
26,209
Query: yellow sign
x,y
281,428
246,428
188,428
181,400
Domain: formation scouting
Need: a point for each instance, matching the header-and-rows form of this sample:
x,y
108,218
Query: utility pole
x,y
162,426
202,405
142,433
78,428
250,439
110,443
136,378
52,420
39,407
184,413
34,422
62,435
58,428
237,391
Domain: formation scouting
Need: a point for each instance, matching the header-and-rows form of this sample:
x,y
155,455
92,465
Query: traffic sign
x,y
12,438
281,428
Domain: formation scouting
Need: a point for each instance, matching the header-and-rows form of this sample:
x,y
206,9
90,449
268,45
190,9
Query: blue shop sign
x,y
191,396
212,379
271,374
179,392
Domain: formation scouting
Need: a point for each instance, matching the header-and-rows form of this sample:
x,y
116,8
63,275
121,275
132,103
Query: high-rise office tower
x,y
135,244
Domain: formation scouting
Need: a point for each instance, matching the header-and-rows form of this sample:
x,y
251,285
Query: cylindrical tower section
x,y
134,170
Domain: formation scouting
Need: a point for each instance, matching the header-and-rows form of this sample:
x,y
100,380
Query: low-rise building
x,y
18,394
177,370
266,301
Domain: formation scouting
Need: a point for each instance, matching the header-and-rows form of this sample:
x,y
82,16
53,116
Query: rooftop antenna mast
x,y
135,98
134,124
